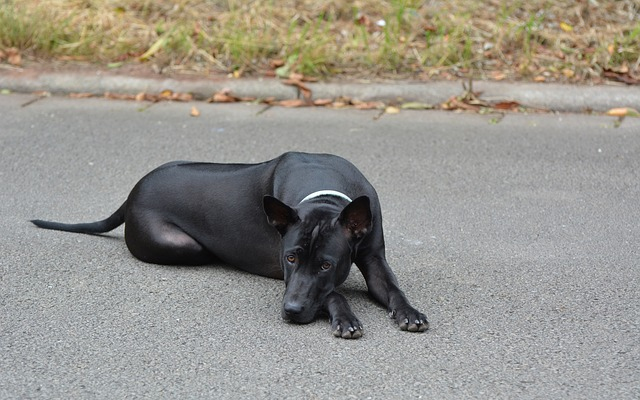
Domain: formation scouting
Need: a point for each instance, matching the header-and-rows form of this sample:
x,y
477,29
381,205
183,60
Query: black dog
x,y
199,213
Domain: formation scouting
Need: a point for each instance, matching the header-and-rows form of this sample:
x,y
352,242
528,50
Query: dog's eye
x,y
325,265
291,259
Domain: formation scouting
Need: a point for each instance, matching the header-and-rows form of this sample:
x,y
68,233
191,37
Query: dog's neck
x,y
326,193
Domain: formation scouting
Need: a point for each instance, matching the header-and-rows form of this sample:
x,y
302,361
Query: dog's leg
x,y
343,322
383,287
160,242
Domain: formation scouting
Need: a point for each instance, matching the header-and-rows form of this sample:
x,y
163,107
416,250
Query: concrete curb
x,y
557,97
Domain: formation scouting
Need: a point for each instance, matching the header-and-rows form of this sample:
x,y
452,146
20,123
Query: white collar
x,y
326,193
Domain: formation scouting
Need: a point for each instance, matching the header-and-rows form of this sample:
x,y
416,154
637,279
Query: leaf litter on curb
x,y
165,95
469,101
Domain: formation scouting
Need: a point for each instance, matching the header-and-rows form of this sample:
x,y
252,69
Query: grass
x,y
560,40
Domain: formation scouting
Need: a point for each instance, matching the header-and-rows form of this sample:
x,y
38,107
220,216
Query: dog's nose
x,y
292,309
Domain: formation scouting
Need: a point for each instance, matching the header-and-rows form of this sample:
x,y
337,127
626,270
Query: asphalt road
x,y
519,239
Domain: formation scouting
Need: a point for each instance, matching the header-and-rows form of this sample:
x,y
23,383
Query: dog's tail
x,y
116,219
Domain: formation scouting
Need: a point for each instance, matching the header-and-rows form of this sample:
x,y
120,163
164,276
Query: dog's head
x,y
318,243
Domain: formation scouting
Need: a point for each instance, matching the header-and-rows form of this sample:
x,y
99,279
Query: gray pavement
x,y
519,239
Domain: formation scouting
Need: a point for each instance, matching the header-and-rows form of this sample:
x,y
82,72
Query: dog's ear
x,y
356,217
279,215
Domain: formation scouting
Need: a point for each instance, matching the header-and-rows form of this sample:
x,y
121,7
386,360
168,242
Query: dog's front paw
x,y
410,319
346,328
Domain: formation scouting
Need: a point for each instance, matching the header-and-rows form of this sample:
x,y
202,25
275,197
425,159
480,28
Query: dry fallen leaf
x,y
80,95
294,76
182,97
506,105
276,63
223,96
415,105
293,103
498,76
623,112
455,103
621,76
154,98
322,102
42,93
119,96
367,105
297,82
13,56
362,19
429,28
194,112
339,104
392,110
